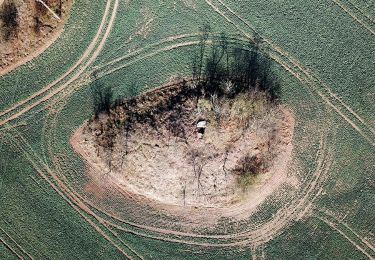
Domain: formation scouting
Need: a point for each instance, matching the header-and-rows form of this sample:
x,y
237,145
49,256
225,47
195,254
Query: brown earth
x,y
37,30
239,160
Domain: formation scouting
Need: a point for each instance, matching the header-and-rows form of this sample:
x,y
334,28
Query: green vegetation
x,y
323,59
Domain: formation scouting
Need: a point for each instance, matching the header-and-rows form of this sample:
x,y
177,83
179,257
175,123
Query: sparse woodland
x,y
231,87
126,132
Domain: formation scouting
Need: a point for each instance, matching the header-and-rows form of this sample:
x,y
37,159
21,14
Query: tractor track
x,y
10,248
368,17
17,141
297,69
72,74
249,237
348,11
55,112
23,251
256,238
244,237
306,80
244,234
247,233
349,234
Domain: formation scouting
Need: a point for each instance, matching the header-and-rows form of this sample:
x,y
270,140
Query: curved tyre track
x,y
297,69
245,238
79,62
262,234
168,231
297,209
87,59
17,141
255,237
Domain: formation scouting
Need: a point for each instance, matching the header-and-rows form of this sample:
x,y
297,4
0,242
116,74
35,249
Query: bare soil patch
x,y
151,146
36,30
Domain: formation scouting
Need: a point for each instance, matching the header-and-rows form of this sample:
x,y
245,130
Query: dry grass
x,y
151,144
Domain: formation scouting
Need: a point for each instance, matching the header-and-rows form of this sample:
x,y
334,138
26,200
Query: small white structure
x,y
201,126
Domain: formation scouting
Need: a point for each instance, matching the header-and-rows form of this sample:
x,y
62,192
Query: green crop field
x,y
323,53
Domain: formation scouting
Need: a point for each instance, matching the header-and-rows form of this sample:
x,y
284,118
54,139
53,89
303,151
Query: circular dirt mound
x,y
192,151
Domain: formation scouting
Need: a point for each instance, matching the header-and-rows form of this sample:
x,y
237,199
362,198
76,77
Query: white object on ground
x,y
202,124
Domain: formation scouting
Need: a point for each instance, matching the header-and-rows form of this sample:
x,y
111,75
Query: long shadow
x,y
220,68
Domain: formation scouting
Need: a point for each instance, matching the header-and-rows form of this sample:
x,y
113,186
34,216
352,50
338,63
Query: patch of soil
x,y
151,146
37,29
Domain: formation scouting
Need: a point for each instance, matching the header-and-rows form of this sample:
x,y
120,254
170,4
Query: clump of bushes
x,y
230,83
247,170
228,68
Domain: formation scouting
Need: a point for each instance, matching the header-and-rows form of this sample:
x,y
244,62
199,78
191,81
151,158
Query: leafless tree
x,y
125,147
216,107
184,193
225,161
198,161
